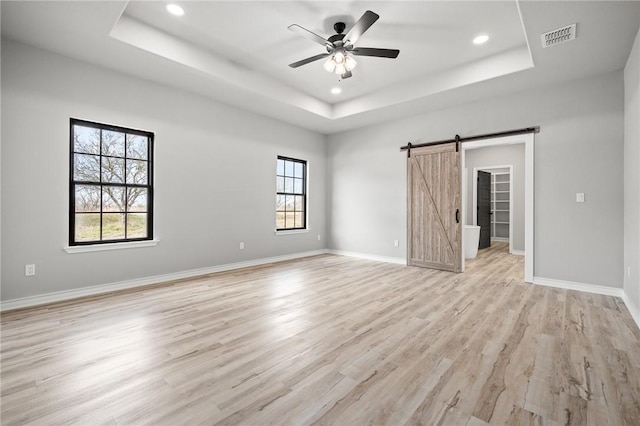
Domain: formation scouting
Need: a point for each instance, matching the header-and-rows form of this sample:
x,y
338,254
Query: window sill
x,y
292,231
114,246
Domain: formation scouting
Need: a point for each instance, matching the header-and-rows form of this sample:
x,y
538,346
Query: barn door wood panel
x,y
434,224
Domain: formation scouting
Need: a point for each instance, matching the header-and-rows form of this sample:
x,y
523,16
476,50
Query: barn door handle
x,y
457,213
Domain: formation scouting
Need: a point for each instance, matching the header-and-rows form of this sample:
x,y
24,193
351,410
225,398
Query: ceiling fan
x,y
340,47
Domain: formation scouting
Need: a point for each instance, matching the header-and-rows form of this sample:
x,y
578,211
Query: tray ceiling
x,y
238,52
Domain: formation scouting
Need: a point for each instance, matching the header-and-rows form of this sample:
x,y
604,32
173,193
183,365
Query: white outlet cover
x,y
29,270
580,197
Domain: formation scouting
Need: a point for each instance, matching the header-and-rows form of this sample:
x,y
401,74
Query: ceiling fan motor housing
x,y
337,39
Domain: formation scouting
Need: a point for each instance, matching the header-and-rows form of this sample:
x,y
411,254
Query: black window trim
x,y
304,193
72,182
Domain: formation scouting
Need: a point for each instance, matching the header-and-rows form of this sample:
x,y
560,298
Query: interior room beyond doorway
x,y
516,153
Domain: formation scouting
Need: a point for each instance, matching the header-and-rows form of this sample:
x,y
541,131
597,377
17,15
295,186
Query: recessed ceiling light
x,y
174,9
481,39
336,90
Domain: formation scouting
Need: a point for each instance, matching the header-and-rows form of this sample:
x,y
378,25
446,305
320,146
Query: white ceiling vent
x,y
559,35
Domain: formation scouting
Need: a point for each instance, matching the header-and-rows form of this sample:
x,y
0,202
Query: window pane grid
x,y
116,164
291,199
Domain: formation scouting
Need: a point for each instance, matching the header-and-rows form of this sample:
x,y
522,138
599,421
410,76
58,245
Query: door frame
x,y
527,140
474,208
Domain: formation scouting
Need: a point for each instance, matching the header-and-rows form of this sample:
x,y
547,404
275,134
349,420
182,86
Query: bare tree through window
x,y
111,183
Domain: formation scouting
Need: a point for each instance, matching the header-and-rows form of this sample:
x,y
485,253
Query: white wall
x,y
579,149
506,155
632,179
210,156
214,175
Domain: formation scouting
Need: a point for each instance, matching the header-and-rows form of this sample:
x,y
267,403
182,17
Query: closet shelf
x,y
500,184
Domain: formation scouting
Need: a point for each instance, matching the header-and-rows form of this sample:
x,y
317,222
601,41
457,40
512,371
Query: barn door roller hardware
x,y
458,139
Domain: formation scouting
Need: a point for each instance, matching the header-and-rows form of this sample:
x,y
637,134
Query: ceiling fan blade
x,y
361,26
379,53
308,60
346,75
308,34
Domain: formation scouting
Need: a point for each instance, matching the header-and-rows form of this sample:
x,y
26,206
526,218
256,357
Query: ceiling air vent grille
x,y
559,35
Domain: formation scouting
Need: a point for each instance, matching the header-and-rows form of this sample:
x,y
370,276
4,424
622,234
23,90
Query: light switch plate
x,y
580,197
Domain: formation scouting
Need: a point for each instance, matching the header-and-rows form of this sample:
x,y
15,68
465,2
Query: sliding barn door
x,y
434,222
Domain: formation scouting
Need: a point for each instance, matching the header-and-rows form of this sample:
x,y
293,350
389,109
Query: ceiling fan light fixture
x,y
330,65
350,63
340,63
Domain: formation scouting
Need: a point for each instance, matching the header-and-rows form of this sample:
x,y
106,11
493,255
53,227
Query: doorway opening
x,y
495,212
466,188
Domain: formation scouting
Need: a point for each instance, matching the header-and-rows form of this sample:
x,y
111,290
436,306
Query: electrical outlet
x,y
29,270
241,245
580,197
396,243
318,237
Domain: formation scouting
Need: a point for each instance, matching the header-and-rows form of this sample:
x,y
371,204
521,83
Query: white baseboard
x,y
518,252
397,260
59,296
633,310
570,285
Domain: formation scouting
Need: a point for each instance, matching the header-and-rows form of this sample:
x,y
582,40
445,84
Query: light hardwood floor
x,y
327,340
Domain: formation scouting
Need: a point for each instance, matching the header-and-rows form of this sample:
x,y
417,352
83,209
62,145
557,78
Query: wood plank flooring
x,y
327,340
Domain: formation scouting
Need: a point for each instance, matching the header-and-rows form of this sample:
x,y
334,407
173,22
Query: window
x,y
291,197
110,184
